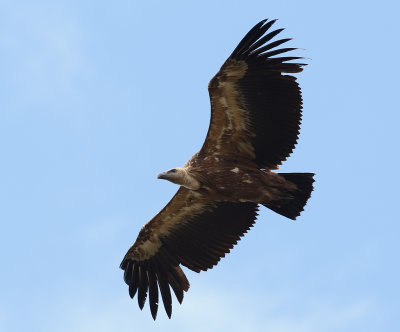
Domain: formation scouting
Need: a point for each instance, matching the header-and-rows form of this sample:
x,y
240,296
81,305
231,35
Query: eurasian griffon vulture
x,y
255,122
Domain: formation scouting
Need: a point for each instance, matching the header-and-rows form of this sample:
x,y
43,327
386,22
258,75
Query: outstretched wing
x,y
191,230
255,109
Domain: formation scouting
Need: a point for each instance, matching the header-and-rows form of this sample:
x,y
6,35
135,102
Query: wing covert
x,y
255,108
192,231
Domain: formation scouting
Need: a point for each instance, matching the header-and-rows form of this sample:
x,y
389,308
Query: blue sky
x,y
97,98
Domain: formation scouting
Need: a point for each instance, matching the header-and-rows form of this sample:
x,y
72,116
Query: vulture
x,y
256,112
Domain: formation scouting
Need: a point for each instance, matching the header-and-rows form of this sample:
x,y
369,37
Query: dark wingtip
x,y
154,310
148,279
179,297
252,43
153,291
143,286
262,21
169,314
123,264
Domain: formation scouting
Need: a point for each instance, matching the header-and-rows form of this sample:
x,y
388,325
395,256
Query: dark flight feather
x,y
252,80
188,245
153,291
143,284
164,288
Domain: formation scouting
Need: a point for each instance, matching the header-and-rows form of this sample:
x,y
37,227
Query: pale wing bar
x,y
263,105
198,241
273,100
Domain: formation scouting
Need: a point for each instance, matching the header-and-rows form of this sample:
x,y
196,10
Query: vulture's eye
x,y
173,170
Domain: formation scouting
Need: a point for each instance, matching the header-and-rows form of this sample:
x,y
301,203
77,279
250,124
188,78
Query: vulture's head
x,y
173,175
180,176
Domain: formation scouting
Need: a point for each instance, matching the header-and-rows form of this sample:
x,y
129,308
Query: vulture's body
x,y
255,122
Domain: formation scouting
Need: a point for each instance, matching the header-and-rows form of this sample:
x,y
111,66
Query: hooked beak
x,y
162,175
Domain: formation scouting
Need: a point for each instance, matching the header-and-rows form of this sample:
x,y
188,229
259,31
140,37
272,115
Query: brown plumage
x,y
255,122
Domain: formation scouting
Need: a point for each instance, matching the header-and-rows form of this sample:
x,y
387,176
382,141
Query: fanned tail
x,y
292,207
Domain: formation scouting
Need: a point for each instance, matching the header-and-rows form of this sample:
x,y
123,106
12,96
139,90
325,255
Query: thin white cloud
x,y
209,310
224,312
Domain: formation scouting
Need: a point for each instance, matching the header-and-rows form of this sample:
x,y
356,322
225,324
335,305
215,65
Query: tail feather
x,y
292,207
